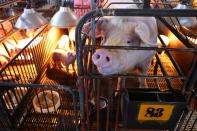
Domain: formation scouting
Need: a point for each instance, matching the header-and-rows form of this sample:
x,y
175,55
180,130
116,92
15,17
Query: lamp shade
x,y
30,19
186,21
64,18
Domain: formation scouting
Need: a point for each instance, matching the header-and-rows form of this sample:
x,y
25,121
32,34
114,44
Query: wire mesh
x,y
42,107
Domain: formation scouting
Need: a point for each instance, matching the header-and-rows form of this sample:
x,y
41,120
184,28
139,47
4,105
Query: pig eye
x,y
128,42
134,42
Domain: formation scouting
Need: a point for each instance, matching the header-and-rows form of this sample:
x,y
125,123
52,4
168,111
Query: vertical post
x,y
146,4
82,102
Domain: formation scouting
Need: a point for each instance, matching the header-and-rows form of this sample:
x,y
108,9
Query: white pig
x,y
62,58
125,31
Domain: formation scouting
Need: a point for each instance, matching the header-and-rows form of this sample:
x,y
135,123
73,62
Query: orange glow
x,y
72,34
165,39
64,42
54,34
30,32
174,40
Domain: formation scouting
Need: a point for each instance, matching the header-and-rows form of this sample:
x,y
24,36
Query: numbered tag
x,y
157,112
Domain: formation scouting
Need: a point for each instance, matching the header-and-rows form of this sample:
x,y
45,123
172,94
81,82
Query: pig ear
x,y
102,25
145,34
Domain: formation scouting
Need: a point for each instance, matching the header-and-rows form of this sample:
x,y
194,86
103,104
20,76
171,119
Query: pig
x,y
62,58
125,31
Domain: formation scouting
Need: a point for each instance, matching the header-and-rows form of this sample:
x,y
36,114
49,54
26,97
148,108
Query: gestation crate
x,y
101,105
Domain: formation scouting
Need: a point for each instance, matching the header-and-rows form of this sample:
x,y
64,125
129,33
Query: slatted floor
x,y
162,83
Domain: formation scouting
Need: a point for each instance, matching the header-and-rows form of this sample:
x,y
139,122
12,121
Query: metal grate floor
x,y
190,122
61,119
162,83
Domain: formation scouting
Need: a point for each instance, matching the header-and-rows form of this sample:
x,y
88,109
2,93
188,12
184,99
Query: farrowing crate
x,y
19,91
166,73
18,78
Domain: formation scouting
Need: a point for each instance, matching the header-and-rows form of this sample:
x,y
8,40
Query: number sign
x,y
157,112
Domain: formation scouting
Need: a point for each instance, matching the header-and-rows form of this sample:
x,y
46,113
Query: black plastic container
x,y
151,109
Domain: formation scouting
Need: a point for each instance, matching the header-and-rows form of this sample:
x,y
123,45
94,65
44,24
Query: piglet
x,y
63,58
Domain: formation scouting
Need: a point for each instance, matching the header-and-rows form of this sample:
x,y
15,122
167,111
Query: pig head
x,y
125,31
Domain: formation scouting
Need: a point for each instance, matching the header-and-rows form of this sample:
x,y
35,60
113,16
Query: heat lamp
x,y
65,17
30,19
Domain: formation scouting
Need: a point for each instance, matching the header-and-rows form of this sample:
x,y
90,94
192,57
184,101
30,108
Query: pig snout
x,y
102,58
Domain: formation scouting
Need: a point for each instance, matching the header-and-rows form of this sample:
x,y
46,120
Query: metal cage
x,y
24,78
166,74
30,66
27,78
22,113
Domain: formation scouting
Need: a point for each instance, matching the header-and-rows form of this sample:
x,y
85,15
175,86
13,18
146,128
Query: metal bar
x,y
86,90
177,34
191,78
189,118
6,49
24,65
9,34
137,3
5,112
10,18
129,75
22,69
110,104
36,86
177,67
194,50
146,4
28,67
2,27
181,120
53,101
97,104
80,86
164,72
195,121
144,12
8,3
